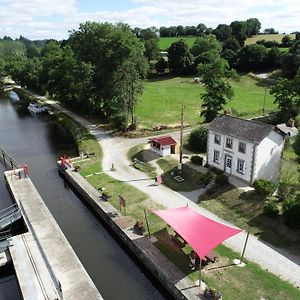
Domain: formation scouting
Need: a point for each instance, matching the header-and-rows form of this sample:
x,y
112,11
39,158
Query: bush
x,y
284,191
197,160
197,139
207,179
296,144
291,212
271,209
264,187
221,179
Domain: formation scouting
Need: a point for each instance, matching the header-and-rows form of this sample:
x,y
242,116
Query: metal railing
x,y
8,161
9,215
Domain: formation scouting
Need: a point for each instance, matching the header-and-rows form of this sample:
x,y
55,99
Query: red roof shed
x,y
164,140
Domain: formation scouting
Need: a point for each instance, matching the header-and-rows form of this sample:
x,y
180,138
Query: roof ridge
x,y
248,120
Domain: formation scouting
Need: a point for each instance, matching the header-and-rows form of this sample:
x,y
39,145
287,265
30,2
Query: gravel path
x,y
115,151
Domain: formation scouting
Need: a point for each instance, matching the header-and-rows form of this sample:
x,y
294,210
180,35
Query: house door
x,y
172,149
228,163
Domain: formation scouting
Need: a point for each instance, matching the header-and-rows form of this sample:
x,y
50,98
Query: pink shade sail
x,y
200,232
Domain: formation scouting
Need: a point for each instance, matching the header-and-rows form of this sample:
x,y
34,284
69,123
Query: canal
x,y
38,141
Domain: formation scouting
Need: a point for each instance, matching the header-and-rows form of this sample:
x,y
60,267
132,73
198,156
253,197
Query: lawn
x,y
249,282
165,42
162,99
192,179
268,37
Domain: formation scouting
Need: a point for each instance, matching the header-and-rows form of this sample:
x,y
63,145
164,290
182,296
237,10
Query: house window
x,y
216,156
217,139
229,143
240,166
242,147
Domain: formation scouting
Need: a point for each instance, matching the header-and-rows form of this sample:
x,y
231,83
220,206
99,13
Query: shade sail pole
x,y
242,256
147,222
200,277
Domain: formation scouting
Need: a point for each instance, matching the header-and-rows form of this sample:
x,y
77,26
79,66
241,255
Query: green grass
x,y
249,282
162,99
268,37
165,42
137,152
192,179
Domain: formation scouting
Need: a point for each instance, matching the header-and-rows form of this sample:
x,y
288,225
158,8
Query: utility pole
x,y
264,101
181,135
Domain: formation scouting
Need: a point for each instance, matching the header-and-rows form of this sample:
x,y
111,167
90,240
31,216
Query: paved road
x,y
115,151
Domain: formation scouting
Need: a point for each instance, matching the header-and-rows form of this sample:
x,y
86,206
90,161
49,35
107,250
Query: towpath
x,y
115,151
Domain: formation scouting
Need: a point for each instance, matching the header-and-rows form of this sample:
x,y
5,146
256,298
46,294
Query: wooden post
x,y
181,137
200,267
241,259
146,219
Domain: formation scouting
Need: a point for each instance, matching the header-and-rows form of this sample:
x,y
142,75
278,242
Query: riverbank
x,y
169,275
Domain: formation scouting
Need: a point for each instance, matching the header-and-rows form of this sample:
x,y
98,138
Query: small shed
x,y
163,145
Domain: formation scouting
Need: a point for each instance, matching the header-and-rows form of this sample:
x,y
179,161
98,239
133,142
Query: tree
x,y
223,32
253,26
287,98
239,31
286,41
161,66
252,58
270,31
273,58
218,90
198,139
150,39
204,44
231,44
201,29
109,49
180,58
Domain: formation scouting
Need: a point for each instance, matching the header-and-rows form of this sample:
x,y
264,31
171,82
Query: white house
x,y
244,148
163,145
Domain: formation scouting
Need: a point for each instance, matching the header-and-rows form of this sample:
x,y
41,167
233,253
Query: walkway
x,y
115,151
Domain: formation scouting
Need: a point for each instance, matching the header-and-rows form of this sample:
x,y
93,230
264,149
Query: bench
x,y
136,161
179,178
178,240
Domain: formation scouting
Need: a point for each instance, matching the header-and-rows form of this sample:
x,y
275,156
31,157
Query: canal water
x,y
38,141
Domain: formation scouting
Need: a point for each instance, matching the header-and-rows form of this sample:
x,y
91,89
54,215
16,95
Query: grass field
x,y
165,42
162,100
268,37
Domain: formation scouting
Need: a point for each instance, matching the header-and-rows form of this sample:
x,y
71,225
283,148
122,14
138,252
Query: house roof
x,y
245,130
164,140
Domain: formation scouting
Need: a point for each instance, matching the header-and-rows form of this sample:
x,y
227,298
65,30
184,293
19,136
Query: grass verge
x,y
135,154
249,282
192,179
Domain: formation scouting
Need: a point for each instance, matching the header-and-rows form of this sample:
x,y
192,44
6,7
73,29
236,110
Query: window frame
x,y
217,139
239,163
231,143
217,156
240,148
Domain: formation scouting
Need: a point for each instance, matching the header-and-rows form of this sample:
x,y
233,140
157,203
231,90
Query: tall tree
x,y
223,32
218,90
253,26
180,58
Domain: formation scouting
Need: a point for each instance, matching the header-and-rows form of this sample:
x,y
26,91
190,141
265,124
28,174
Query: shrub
x,y
206,179
291,212
284,191
221,179
197,160
296,144
271,209
264,187
197,139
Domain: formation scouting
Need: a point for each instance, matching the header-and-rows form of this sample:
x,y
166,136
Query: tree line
x,y
100,68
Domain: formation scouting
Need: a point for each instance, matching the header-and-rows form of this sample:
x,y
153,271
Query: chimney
x,y
290,123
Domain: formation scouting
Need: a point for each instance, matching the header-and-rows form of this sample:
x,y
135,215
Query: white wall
x,y
234,153
163,151
268,157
